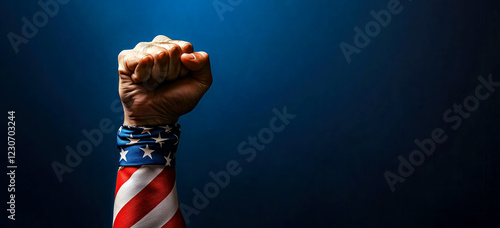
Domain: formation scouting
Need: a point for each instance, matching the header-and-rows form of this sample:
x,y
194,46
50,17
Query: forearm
x,y
159,81
146,193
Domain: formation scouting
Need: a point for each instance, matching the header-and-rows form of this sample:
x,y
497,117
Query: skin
x,y
161,80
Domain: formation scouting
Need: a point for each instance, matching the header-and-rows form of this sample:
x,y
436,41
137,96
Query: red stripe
x,y
175,222
124,173
146,200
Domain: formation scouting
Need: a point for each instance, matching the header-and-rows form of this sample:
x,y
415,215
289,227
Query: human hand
x,y
161,80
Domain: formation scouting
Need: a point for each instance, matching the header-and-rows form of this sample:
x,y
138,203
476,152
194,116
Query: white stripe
x,y
138,181
162,213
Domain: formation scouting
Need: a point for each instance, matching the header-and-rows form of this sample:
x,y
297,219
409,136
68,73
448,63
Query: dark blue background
x,y
325,169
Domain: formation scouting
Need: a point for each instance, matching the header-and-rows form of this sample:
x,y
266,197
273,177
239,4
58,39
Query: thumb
x,y
199,65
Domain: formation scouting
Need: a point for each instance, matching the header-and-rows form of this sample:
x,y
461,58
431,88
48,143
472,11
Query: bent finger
x,y
143,70
161,64
134,64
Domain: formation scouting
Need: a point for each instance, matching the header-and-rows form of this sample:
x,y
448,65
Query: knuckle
x,y
122,54
160,38
142,45
175,49
161,56
188,46
147,59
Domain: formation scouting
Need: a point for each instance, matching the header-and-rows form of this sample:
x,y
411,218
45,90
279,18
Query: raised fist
x,y
161,80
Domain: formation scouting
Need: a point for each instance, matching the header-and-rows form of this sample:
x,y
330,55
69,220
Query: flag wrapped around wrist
x,y
146,194
148,145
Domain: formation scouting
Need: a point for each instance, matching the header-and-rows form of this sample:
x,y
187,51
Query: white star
x,y
147,152
167,128
132,141
120,129
146,129
168,160
159,140
123,155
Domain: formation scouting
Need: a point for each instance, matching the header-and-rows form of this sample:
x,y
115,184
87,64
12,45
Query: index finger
x,y
185,46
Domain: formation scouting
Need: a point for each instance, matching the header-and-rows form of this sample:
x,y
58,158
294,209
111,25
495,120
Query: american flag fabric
x,y
146,194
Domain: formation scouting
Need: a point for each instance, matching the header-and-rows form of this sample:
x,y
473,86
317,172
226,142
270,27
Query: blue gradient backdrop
x,y
325,169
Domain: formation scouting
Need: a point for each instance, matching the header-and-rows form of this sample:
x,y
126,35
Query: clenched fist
x,y
161,80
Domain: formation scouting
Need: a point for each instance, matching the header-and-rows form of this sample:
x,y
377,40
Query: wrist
x,y
148,121
148,145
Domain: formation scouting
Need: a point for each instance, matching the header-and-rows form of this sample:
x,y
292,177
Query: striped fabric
x,y
146,194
